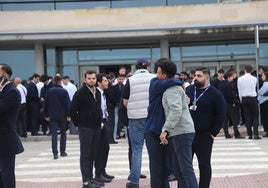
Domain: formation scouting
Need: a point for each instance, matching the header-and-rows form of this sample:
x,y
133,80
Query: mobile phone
x,y
3,78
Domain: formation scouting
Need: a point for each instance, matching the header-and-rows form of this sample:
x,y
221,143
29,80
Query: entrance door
x,y
83,70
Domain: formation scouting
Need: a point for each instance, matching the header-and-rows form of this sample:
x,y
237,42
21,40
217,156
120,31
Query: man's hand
x,y
163,138
47,118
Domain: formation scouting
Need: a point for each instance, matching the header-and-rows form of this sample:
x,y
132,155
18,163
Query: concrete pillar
x,y
164,48
39,59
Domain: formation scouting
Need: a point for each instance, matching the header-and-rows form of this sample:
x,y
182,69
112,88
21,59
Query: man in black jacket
x,y
10,143
226,89
86,113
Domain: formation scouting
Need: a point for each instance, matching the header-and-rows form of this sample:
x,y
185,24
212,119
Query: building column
x,y
164,48
39,59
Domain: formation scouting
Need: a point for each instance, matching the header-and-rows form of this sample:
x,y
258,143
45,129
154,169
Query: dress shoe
x,y
239,136
172,177
113,142
141,176
103,179
56,156
63,154
257,137
132,185
249,137
91,185
95,182
107,176
228,136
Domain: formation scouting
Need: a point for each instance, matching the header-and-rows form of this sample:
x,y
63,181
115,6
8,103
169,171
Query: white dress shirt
x,y
71,89
23,93
246,85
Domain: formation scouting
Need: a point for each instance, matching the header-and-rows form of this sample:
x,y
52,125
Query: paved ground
x,y
245,168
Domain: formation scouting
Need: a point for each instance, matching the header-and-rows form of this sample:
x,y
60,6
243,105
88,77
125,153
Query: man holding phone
x,y
10,143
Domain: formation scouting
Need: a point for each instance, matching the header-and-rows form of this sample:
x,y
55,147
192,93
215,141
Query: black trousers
x,y
89,145
264,114
103,152
231,114
251,112
110,124
202,147
7,172
21,122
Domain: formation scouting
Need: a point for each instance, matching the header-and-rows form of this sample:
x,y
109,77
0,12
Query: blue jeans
x,y
184,170
115,122
158,158
136,134
61,123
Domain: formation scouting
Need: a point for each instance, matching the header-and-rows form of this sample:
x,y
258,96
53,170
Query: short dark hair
x,y
66,77
168,67
89,72
35,75
156,64
205,70
100,77
227,74
44,78
266,75
221,71
121,75
57,80
248,68
6,68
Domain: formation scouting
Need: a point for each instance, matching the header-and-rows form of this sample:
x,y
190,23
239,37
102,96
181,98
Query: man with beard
x,y
86,113
207,108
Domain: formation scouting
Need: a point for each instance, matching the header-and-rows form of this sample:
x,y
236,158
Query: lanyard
x,y
196,99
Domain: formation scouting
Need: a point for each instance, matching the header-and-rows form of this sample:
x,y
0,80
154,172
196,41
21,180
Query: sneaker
x,y
132,185
63,154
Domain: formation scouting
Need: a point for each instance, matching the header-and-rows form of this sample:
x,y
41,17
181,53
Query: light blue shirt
x,y
263,89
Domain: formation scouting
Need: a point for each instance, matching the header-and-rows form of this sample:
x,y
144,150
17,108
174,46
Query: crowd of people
x,y
176,114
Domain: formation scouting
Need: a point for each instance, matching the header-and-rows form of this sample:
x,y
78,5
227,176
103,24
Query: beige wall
x,y
127,18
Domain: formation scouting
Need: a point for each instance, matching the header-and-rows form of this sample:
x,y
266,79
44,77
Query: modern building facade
x,y
71,37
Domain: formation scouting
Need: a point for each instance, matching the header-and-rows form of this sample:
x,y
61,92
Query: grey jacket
x,y
178,118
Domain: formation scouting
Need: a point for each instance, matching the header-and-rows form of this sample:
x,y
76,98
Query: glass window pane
x,y
82,5
69,57
28,6
189,2
22,62
51,70
138,3
112,56
70,71
50,56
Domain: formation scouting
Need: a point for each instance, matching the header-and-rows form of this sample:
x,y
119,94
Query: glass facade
x,y
9,5
22,62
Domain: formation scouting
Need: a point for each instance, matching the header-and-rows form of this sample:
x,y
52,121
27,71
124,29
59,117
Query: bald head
x,y
17,81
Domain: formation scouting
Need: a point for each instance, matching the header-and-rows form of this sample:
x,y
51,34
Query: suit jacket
x,y
57,103
10,143
85,109
118,93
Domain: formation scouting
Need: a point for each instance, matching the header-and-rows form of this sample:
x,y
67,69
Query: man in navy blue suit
x,y
57,112
10,143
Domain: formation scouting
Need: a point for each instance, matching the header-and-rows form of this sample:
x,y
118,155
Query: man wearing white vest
x,y
136,100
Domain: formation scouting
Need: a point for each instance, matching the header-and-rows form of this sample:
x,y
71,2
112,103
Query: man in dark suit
x,y
10,144
33,104
86,113
57,112
118,91
104,148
